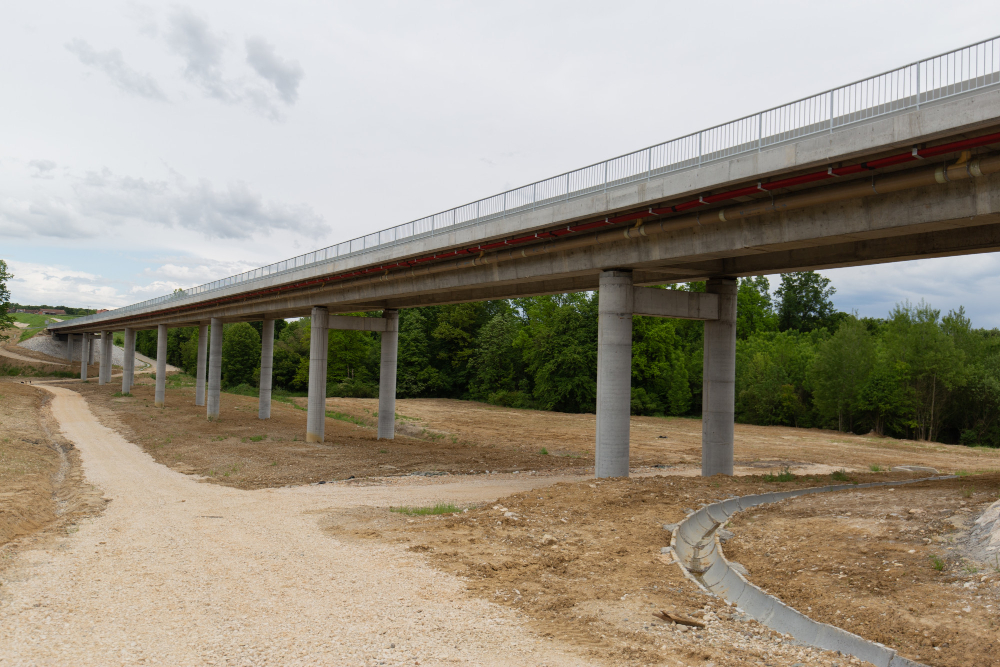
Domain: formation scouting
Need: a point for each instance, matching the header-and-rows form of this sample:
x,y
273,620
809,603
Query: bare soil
x,y
583,560
243,451
865,561
41,482
676,441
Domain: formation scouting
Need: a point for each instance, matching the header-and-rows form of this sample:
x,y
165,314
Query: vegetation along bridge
x,y
902,165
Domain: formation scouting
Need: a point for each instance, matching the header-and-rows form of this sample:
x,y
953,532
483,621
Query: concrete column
x,y
214,369
128,369
199,382
161,365
104,375
718,411
91,348
266,363
318,350
84,354
614,373
387,376
69,348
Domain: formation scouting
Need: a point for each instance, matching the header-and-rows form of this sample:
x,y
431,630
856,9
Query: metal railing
x,y
962,70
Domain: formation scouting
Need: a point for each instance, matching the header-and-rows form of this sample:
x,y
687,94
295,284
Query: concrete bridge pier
x,y
214,369
614,373
91,348
84,354
104,375
319,344
69,348
199,382
128,369
718,412
387,376
161,365
266,364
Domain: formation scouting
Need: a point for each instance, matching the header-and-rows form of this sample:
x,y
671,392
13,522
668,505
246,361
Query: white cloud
x,y
53,285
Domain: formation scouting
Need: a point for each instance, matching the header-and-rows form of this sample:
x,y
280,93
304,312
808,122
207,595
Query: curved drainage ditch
x,y
698,551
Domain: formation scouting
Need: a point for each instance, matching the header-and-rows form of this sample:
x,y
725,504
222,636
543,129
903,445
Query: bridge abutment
x,y
718,412
214,369
387,376
614,373
161,365
318,349
266,364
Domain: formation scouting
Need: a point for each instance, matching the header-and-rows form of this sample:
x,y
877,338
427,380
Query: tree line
x,y
800,362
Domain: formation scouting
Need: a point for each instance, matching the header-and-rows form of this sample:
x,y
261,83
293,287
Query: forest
x,y
913,374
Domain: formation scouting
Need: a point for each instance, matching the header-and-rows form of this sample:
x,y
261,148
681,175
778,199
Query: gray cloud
x,y
233,212
112,63
51,218
285,75
190,37
43,168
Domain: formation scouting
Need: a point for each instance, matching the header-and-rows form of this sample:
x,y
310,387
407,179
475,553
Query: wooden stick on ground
x,y
677,618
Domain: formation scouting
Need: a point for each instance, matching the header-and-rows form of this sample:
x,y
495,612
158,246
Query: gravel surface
x,y
54,348
178,572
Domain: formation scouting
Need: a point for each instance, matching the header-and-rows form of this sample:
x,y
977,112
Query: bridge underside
x,y
952,219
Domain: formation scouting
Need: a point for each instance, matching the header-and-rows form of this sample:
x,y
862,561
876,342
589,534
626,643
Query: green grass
x,y
440,508
119,394
383,451
346,418
962,473
784,476
937,563
543,451
967,492
257,438
840,476
29,371
876,468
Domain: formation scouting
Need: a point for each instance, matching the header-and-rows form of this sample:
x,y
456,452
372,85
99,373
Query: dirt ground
x,y
41,482
865,561
242,451
583,560
676,441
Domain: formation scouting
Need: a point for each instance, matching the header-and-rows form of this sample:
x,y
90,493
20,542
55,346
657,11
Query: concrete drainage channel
x,y
698,551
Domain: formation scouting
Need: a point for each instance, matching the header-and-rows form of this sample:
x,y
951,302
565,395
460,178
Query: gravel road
x,y
177,572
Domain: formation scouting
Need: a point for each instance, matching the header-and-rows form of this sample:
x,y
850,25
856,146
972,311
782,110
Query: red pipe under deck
x,y
831,172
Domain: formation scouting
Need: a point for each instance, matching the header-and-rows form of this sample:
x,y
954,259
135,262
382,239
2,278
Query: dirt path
x,y
178,572
4,352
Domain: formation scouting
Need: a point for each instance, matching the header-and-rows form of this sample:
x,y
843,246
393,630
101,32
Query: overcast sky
x,y
145,147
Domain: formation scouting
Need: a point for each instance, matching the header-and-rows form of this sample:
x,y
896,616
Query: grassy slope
x,y
36,322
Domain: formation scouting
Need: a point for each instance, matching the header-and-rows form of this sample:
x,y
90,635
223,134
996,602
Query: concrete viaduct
x,y
900,166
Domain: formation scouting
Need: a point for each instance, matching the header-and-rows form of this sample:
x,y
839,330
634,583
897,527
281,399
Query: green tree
x,y
754,310
804,302
839,371
6,321
559,346
240,354
935,366
496,367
